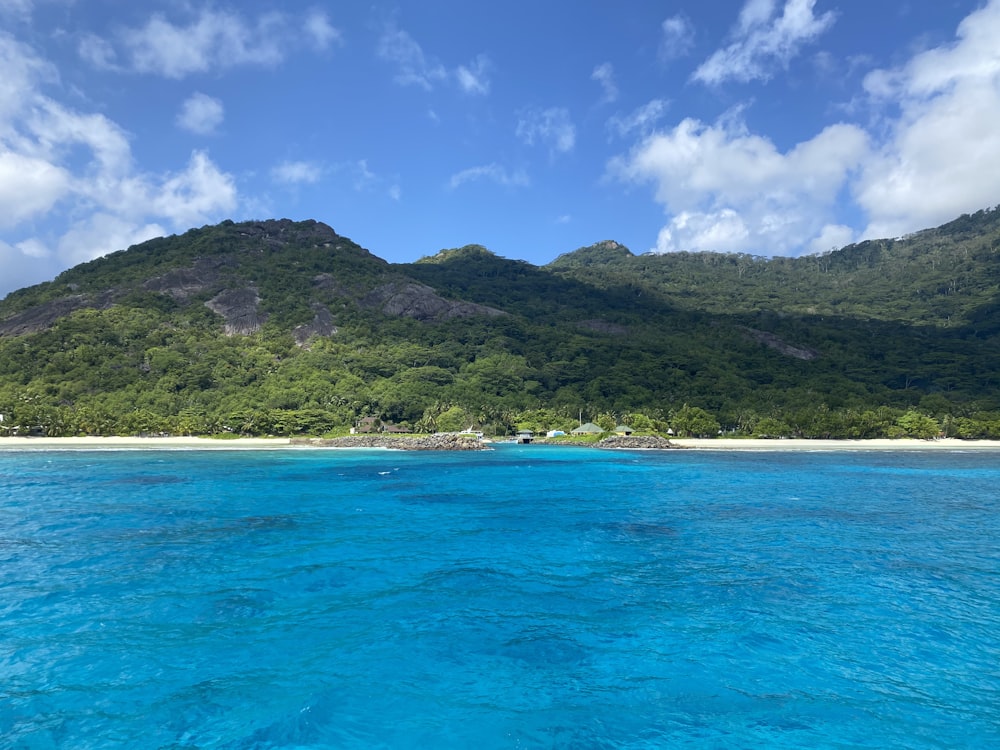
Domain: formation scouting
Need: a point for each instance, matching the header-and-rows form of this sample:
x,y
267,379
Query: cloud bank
x,y
920,161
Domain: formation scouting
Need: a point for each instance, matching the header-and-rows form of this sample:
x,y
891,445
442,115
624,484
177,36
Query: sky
x,y
771,127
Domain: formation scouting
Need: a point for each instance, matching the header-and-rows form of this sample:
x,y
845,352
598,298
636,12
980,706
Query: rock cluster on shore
x,y
397,442
636,442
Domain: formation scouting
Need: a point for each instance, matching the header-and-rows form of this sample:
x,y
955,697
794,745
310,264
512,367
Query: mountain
x,y
947,277
283,327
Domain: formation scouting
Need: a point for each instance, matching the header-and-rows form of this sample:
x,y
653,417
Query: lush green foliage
x,y
892,338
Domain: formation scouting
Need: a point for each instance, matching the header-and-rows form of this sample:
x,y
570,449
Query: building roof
x,y
587,429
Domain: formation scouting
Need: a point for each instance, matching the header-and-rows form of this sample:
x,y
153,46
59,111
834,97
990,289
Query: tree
x,y
693,421
769,427
917,425
454,419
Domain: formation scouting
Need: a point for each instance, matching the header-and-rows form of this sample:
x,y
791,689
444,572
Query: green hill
x,y
281,327
947,277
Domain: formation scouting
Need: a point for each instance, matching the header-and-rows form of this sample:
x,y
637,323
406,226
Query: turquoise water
x,y
526,597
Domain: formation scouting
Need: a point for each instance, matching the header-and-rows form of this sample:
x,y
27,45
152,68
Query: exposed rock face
x,y
774,342
328,283
412,300
275,234
428,443
644,442
321,325
240,308
43,316
283,231
183,283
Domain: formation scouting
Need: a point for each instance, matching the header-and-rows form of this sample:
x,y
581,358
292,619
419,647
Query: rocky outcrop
x,y
636,442
42,316
328,283
241,310
321,325
772,341
424,443
183,283
413,300
284,231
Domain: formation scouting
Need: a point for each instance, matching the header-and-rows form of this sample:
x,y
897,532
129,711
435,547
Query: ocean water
x,y
528,597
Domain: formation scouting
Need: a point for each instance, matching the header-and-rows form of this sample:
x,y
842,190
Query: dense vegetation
x,y
280,327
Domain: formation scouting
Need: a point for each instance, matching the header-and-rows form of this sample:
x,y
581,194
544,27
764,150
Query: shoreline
x,y
714,444
805,444
151,443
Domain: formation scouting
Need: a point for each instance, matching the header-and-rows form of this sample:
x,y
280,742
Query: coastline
x,y
715,444
154,443
803,444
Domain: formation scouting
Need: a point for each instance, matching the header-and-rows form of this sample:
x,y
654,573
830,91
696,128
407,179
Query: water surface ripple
x,y
527,597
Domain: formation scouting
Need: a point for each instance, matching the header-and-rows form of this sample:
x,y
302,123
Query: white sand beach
x,y
716,444
157,443
794,444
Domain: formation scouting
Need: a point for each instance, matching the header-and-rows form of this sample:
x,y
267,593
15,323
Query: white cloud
x,y
215,40
34,248
604,74
364,178
55,131
938,160
721,231
764,41
473,79
319,29
97,52
23,72
677,39
832,237
76,170
725,189
24,264
28,187
210,40
101,234
755,13
69,187
494,173
297,172
20,9
196,195
552,126
413,67
639,120
201,114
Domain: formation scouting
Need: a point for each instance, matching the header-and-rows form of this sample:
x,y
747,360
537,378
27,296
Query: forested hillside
x,y
281,327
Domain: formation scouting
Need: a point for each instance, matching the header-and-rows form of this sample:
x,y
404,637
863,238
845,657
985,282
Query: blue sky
x,y
533,128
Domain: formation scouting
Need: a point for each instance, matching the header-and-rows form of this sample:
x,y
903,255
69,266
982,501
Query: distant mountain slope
x,y
948,276
282,327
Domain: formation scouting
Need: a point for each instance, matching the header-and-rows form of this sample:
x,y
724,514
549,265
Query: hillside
x,y
946,277
282,327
